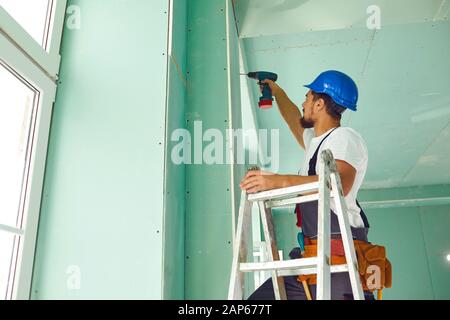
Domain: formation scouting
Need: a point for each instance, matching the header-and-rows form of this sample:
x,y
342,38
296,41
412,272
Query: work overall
x,y
308,211
307,214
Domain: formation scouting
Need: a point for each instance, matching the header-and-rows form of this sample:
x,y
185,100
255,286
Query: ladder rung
x,y
297,272
290,201
279,265
285,192
290,267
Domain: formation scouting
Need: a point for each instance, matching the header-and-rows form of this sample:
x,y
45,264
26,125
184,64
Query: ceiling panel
x,y
405,92
434,164
261,17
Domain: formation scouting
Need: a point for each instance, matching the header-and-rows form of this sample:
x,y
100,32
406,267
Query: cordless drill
x,y
265,102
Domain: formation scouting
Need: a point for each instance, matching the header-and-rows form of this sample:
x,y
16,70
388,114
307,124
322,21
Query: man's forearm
x,y
287,108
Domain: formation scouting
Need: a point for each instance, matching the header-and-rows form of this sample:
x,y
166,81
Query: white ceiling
x,y
263,17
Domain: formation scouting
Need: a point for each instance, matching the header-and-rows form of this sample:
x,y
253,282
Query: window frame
x,y
48,61
22,54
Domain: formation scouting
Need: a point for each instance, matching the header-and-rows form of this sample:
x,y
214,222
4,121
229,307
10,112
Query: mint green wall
x,y
208,188
174,218
235,100
103,193
435,227
416,238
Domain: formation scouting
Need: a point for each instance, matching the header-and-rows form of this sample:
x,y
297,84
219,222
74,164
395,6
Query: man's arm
x,y
289,111
257,181
347,174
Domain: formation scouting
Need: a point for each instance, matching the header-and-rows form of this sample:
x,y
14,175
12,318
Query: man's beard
x,y
306,124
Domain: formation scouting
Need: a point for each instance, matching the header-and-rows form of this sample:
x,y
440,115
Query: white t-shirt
x,y
347,145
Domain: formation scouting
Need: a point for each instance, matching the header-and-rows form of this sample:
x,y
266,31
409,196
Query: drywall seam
x,y
230,122
251,101
180,73
366,61
311,45
401,203
438,136
418,202
436,16
233,7
426,252
169,13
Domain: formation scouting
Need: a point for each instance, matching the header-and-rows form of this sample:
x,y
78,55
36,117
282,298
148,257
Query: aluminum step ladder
x,y
328,187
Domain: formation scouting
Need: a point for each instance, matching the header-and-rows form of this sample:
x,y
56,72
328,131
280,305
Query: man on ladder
x,y
319,129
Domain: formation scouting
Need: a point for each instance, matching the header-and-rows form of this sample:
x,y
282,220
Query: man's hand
x,y
274,87
257,181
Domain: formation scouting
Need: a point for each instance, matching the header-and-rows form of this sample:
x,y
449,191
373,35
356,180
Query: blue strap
x,y
313,161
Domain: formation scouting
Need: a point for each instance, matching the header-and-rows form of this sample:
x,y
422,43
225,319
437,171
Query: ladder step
x,y
285,192
297,272
290,201
279,265
290,267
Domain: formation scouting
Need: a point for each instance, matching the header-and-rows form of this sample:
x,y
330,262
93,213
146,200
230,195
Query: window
x,y
17,105
29,64
34,16
9,243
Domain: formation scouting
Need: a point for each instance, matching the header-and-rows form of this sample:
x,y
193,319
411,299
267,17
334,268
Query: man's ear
x,y
319,104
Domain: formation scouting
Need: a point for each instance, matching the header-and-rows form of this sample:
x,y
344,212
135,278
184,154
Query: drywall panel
x,y
410,246
175,188
294,16
100,232
405,93
409,193
436,224
400,231
434,162
235,110
286,230
208,189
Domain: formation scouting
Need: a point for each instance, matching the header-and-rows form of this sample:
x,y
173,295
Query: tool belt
x,y
374,268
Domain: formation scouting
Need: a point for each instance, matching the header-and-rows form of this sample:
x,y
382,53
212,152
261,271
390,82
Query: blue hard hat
x,y
339,86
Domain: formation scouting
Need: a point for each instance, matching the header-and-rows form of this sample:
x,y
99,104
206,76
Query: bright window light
x,y
448,257
34,16
8,258
27,93
17,105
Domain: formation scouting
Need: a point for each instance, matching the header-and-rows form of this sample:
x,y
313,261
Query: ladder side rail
x,y
329,186
236,287
272,250
323,232
347,237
